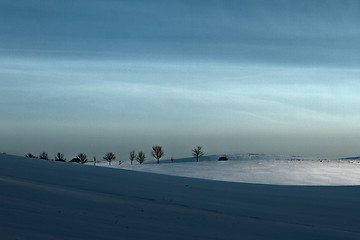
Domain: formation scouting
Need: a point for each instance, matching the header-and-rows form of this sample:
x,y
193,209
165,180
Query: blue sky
x,y
277,77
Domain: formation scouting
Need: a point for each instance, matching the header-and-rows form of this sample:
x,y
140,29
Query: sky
x,y
271,76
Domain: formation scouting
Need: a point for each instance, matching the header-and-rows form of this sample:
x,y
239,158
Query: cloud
x,y
170,91
198,70
296,33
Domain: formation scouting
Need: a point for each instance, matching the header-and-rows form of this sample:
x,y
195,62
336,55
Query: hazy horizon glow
x,y
233,76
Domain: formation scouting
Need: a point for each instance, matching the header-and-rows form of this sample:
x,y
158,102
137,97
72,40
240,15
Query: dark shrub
x,y
44,155
75,160
60,157
223,158
30,155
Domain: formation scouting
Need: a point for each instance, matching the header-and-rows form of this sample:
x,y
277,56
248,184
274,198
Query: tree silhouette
x,y
30,155
44,155
109,157
157,153
75,160
197,152
60,157
140,157
132,156
82,158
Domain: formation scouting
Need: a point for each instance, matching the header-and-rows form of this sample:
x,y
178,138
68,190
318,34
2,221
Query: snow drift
x,y
259,168
53,200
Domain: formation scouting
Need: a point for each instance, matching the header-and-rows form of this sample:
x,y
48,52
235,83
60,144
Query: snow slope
x,y
53,200
258,168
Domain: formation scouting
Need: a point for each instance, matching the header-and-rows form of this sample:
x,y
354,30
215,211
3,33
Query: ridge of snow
x,y
257,168
53,200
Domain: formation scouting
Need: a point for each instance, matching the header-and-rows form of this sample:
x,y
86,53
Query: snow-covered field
x,y
257,168
42,199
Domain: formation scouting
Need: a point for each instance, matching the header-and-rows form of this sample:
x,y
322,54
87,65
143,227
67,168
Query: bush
x,y
30,155
60,157
44,155
75,160
223,158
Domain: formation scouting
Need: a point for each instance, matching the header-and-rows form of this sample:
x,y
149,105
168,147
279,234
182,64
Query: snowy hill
x,y
52,200
258,168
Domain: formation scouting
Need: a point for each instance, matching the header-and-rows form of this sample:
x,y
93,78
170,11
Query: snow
x,y
258,168
53,200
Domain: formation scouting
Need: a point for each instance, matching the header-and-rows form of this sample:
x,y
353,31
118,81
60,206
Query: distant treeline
x,y
157,152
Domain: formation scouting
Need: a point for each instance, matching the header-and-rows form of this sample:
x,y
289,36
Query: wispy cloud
x,y
190,68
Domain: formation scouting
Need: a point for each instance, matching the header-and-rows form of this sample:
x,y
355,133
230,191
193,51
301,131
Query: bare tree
x,y
157,153
60,157
44,155
197,152
140,157
82,158
109,157
132,156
